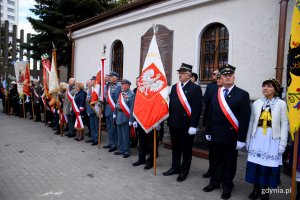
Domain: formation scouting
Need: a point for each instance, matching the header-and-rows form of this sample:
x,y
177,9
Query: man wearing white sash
x,y
112,91
122,112
228,121
184,113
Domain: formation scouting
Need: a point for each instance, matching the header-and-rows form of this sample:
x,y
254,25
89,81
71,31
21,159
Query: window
x,y
11,2
117,58
11,10
10,17
214,50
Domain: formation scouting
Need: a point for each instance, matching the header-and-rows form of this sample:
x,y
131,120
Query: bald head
x,y
72,81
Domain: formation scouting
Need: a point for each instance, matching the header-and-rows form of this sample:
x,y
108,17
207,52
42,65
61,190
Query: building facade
x,y
9,11
203,33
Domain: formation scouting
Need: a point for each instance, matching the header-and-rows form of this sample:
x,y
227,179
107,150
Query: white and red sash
x,y
35,94
124,106
78,123
62,117
227,111
183,100
110,100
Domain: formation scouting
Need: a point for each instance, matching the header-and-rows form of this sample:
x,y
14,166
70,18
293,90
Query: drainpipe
x,y
71,73
281,39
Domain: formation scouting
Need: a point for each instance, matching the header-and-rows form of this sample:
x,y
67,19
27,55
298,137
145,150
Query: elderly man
x,y
37,93
184,113
68,105
112,91
227,122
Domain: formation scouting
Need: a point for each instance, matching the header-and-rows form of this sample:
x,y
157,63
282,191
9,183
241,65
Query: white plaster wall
x,y
252,26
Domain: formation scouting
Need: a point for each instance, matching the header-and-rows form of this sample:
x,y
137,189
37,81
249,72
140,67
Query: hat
x,y
114,74
185,67
275,83
125,81
93,78
227,69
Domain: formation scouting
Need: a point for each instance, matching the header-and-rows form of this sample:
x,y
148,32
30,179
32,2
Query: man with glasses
x,y
184,113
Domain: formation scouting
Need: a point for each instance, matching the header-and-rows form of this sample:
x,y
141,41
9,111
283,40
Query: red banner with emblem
x,y
151,105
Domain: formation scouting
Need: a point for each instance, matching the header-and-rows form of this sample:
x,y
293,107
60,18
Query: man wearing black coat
x,y
184,113
228,120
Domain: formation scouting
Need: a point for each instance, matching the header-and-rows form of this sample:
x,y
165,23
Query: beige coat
x,y
67,103
280,124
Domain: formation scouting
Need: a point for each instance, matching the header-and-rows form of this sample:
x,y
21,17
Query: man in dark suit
x,y
228,120
184,113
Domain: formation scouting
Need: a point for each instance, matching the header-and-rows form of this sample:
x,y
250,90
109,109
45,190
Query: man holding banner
x,y
228,121
184,113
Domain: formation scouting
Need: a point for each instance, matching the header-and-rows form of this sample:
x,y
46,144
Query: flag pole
x,y
154,153
32,108
294,169
100,127
23,106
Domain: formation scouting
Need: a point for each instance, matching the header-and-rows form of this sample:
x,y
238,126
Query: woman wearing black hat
x,y
266,140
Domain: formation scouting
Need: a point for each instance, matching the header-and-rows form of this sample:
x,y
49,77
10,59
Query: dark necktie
x,y
182,85
226,92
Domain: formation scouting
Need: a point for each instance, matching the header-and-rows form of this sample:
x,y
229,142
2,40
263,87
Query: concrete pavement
x,y
35,164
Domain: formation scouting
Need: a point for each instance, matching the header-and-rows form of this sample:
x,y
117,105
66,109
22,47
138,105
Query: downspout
x,y
281,39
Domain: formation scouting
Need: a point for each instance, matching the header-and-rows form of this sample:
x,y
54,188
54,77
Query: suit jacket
x,y
38,91
80,100
218,125
211,88
115,90
67,103
129,100
279,124
178,117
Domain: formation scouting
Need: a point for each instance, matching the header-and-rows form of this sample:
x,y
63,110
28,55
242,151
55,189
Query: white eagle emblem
x,y
150,83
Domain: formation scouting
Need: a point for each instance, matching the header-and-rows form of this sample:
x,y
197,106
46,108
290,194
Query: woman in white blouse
x,y
266,140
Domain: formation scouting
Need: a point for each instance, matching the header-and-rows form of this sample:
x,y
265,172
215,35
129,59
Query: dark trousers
x,y
182,144
223,165
146,145
210,157
37,111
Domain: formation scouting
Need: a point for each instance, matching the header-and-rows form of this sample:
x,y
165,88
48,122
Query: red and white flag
x,y
27,82
98,89
53,78
151,104
46,72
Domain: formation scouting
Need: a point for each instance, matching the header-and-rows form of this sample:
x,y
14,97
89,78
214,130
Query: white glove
x,y
281,149
208,137
70,108
135,125
114,116
27,99
192,131
130,123
240,145
157,127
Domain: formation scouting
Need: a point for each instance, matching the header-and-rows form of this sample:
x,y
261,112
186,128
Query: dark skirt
x,y
262,175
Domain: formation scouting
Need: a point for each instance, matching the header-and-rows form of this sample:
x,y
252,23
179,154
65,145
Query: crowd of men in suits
x,y
184,114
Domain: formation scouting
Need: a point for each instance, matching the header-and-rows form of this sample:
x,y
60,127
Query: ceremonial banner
x,y
293,73
20,71
53,78
46,71
151,104
27,82
98,89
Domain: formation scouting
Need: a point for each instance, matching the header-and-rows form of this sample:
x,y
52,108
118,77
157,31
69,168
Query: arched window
x,y
117,58
214,50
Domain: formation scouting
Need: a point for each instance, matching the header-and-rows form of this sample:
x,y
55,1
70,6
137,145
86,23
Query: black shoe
x,y
181,177
148,166
226,195
71,135
57,133
118,153
112,149
256,193
171,172
94,143
89,141
30,117
66,129
88,134
76,139
207,175
37,120
126,155
55,128
139,162
264,196
107,146
210,188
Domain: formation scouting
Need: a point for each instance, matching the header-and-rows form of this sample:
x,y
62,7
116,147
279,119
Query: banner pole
x,y
294,169
100,126
154,153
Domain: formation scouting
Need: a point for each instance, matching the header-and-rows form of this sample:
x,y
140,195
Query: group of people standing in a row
x,y
230,125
